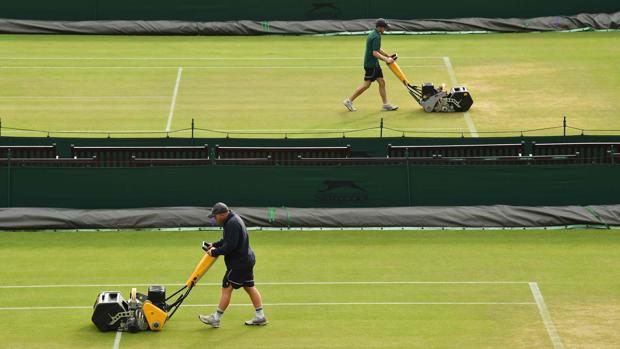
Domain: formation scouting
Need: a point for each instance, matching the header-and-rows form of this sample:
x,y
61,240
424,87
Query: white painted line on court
x,y
47,308
341,130
544,314
367,303
174,99
468,120
330,67
289,304
117,339
192,58
83,97
279,284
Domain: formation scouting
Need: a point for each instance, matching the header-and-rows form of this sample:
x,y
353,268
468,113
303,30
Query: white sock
x,y
218,314
260,313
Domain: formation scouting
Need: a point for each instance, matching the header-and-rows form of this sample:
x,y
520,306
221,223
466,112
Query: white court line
x,y
544,314
340,130
296,304
468,120
279,284
90,131
330,67
334,130
83,97
117,339
174,99
191,58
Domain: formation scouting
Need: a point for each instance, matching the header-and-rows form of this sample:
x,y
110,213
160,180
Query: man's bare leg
x,y
225,298
257,301
382,90
214,319
255,296
363,87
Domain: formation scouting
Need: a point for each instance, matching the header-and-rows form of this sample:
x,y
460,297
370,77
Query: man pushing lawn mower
x,y
372,69
431,99
141,312
240,260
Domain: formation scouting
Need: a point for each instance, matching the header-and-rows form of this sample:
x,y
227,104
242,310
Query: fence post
x,y
381,129
408,176
0,127
564,126
192,128
8,178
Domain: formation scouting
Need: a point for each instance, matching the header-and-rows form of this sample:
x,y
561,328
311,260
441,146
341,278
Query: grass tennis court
x,y
326,289
104,83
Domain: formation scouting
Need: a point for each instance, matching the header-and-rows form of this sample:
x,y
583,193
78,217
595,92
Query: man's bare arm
x,y
382,55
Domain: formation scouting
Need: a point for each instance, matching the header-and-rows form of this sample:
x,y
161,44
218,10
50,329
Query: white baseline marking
x,y
544,314
291,305
278,284
189,58
117,340
331,67
83,97
174,99
468,120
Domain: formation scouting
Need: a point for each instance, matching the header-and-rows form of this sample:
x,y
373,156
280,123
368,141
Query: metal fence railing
x,y
379,131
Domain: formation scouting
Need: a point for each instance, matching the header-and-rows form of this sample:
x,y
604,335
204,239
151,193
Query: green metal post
x,y
564,126
8,180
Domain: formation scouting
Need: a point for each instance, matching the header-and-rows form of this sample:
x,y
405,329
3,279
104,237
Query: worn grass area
x,y
574,270
103,83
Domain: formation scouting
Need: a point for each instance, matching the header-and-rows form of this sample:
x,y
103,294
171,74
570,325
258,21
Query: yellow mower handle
x,y
203,266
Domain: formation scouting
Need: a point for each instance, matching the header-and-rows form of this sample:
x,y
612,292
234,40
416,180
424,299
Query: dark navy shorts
x,y
239,277
373,74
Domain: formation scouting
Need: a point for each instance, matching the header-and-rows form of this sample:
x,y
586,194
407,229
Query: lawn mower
x,y
144,312
434,99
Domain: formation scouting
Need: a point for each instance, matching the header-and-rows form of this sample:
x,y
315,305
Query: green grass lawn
x,y
105,83
574,269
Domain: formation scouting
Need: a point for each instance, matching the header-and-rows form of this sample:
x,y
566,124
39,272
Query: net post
x,y
564,125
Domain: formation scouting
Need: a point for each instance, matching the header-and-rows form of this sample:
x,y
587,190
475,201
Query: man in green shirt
x,y
373,72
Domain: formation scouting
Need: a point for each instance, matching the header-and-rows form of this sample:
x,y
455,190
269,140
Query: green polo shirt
x,y
373,43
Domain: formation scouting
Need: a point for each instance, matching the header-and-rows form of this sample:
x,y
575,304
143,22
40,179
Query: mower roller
x,y
144,312
434,99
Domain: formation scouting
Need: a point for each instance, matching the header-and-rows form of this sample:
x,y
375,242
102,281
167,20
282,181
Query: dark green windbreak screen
x,y
270,10
303,186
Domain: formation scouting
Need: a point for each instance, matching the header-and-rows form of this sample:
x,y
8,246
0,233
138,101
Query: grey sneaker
x,y
347,103
257,321
389,107
210,320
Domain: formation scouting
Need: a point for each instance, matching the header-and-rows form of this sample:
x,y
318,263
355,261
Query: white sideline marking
x,y
330,67
293,304
278,284
117,339
544,314
188,58
468,120
174,99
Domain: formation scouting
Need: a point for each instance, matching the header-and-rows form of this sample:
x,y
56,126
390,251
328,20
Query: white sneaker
x,y
347,103
210,320
257,321
389,107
